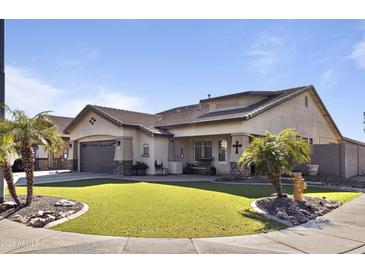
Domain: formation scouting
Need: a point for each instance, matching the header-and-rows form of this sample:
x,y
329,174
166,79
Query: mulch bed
x,y
41,212
296,213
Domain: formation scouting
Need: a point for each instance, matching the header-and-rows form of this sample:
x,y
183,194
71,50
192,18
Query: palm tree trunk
x,y
27,158
275,179
8,175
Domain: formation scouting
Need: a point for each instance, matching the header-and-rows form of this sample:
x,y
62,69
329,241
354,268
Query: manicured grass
x,y
119,208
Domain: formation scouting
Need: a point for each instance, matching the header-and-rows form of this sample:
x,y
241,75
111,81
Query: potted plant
x,y
139,168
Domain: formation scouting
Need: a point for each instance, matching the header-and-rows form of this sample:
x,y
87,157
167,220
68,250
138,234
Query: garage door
x,y
97,156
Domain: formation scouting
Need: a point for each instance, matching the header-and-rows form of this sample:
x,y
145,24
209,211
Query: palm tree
x,y
7,149
274,154
27,132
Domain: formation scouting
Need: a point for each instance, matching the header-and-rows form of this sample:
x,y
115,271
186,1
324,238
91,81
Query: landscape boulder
x,y
65,203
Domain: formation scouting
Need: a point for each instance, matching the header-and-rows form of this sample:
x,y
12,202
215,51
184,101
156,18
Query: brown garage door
x,y
97,156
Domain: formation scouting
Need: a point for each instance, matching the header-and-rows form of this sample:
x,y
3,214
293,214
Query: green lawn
x,y
120,208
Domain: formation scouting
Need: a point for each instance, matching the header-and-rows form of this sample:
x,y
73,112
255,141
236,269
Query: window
x,y
92,120
146,150
222,150
309,140
306,101
202,150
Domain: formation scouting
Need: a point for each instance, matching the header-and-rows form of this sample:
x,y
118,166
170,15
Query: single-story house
x,y
46,160
213,132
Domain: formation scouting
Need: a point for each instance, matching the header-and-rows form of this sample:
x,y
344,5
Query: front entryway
x,y
97,156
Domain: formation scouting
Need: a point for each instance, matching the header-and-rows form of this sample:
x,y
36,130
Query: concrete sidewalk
x,y
341,231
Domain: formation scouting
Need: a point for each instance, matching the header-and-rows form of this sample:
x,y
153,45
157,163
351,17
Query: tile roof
x,y
160,123
60,123
120,117
132,118
200,112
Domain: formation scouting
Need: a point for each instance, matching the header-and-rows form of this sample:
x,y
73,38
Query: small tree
x,y
6,150
274,154
27,132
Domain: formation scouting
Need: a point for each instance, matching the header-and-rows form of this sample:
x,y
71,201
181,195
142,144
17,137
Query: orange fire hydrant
x,y
299,187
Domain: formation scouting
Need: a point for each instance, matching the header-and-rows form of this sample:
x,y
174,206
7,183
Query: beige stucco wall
x,y
203,129
239,102
244,141
41,152
187,144
309,122
101,127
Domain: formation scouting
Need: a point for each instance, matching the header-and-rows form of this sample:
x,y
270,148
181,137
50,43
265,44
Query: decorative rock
x,y
70,212
40,213
50,218
282,215
37,222
7,205
297,212
293,220
18,218
62,215
65,203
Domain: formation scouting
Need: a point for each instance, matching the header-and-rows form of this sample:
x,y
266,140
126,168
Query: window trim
x,y
203,148
145,145
225,151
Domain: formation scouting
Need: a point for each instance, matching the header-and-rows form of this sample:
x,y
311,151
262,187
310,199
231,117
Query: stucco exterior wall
x,y
341,160
204,129
187,144
351,160
161,152
361,160
244,141
309,122
41,152
101,127
239,102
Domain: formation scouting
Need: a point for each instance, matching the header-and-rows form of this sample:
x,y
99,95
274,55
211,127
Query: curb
x,y
84,209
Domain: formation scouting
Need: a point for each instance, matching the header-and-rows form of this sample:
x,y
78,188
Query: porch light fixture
x,y
181,153
70,145
118,143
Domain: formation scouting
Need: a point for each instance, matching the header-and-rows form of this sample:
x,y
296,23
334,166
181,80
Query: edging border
x,y
84,209
267,215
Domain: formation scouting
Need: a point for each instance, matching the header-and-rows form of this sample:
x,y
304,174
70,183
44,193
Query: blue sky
x,y
153,65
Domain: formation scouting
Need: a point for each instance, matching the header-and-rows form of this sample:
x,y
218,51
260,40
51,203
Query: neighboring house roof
x,y
60,123
352,141
120,117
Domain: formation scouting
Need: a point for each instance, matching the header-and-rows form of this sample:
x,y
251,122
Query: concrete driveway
x,y
341,231
55,176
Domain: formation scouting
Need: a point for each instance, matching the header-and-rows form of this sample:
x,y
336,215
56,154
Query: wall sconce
x,y
181,153
70,145
118,143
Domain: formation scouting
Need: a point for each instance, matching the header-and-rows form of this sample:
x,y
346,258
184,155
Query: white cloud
x,y
25,91
102,97
265,53
327,79
358,54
